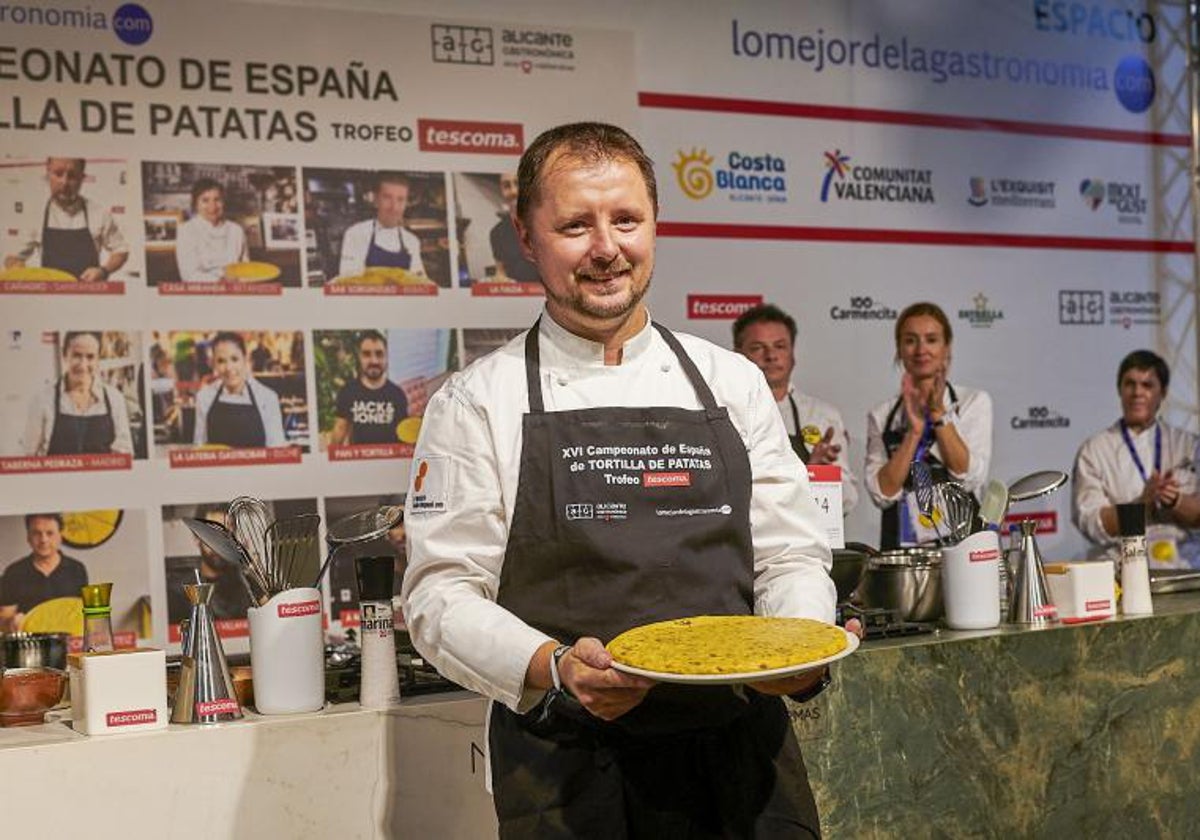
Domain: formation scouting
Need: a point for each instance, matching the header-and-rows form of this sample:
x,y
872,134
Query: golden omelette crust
x,y
726,644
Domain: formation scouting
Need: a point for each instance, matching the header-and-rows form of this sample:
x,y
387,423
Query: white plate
x,y
750,676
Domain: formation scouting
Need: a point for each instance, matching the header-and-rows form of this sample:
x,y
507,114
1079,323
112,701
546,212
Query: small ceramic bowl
x,y
27,693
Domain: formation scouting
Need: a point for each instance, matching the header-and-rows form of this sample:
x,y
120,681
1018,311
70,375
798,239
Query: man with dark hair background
x,y
42,574
370,405
1140,458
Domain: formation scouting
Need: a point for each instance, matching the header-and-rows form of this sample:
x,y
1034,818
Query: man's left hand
x,y
806,680
95,274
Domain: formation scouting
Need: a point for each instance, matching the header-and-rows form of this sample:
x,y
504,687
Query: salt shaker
x,y
380,679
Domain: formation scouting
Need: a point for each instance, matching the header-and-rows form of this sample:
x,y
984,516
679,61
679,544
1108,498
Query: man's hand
x,y
95,274
587,674
806,680
826,451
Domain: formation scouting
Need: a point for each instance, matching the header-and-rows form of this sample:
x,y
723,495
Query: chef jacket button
x,y
666,368
562,380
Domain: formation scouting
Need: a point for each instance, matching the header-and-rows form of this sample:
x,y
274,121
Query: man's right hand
x,y
587,674
825,451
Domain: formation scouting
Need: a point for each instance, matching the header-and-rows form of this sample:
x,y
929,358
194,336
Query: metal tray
x,y
1165,581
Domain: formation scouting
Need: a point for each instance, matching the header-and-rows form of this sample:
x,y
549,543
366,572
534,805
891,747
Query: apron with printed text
x,y
626,516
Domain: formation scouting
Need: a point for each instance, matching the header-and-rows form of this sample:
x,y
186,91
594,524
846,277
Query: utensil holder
x,y
287,653
971,582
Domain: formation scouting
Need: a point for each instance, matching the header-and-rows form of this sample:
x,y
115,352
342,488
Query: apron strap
x,y
703,392
533,369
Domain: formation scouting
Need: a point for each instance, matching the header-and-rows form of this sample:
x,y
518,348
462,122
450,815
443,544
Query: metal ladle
x,y
357,528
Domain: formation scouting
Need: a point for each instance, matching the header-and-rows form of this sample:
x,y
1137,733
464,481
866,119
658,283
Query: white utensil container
x,y
287,653
971,582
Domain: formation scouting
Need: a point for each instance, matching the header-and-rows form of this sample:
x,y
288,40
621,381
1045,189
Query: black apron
x,y
68,249
798,445
73,435
889,536
382,258
586,557
236,425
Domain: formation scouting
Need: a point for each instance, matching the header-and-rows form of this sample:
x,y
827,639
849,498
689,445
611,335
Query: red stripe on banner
x,y
712,230
841,113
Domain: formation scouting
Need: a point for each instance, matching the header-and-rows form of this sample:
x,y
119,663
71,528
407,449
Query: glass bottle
x,y
97,617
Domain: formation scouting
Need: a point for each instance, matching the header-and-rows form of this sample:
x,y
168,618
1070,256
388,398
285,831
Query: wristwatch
x,y
813,691
559,653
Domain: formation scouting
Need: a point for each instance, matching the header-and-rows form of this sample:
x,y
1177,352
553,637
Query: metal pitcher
x,y
205,693
1030,602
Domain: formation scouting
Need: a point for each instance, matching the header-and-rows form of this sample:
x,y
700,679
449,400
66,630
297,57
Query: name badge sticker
x,y
428,490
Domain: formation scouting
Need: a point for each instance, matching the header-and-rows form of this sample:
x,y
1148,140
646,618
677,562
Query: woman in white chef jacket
x,y
947,427
207,242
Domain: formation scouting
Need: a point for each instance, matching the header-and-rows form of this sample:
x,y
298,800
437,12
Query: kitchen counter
x,y
1084,730
410,771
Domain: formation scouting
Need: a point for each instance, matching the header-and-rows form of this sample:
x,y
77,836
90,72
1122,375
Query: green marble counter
x,y
1088,730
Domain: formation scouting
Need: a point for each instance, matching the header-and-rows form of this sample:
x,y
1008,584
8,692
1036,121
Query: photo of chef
x,y
75,392
385,220
373,384
187,560
224,389
488,248
47,556
343,588
63,219
220,223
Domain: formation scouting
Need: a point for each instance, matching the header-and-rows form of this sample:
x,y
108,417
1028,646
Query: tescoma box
x,y
118,691
1082,591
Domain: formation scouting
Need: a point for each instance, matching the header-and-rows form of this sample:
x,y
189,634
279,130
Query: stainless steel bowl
x,y
847,571
33,650
907,582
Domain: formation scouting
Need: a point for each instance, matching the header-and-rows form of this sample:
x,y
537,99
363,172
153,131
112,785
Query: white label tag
x,y
826,483
428,490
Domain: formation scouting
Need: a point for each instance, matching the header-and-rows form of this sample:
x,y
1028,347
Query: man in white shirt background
x,y
766,335
382,241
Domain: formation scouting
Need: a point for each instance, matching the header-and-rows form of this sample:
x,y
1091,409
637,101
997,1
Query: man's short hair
x,y
386,177
1145,360
764,313
57,517
71,335
370,335
586,142
82,162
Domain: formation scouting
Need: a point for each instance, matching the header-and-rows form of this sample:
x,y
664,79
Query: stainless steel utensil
x,y
1031,602
34,650
219,539
205,693
248,520
1036,484
361,527
291,543
960,509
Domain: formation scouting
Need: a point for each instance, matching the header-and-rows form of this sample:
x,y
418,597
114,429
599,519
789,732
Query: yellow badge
x,y
811,435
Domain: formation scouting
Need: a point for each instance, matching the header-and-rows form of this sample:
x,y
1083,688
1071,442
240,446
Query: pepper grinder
x,y
379,685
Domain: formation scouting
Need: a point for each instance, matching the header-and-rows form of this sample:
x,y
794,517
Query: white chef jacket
x,y
100,222
202,249
1105,474
471,443
39,426
356,241
973,417
817,412
265,398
